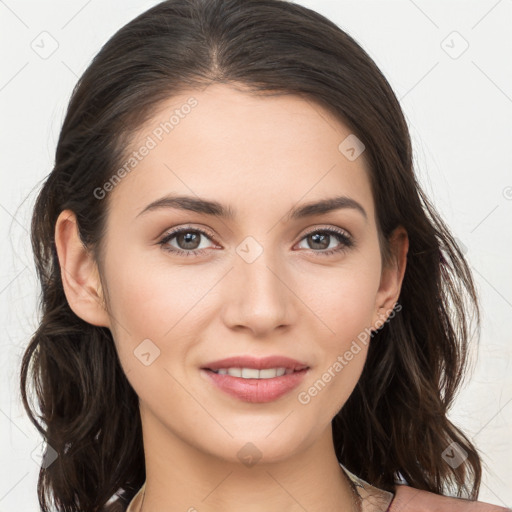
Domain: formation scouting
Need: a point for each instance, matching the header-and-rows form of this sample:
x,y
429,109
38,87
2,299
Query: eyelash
x,y
346,241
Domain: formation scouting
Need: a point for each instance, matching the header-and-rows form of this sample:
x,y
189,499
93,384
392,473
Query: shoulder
x,y
408,499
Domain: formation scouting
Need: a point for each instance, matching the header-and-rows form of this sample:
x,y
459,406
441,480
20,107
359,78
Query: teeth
x,y
268,373
253,373
250,373
235,372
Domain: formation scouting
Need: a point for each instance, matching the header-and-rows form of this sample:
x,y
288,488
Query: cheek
x,y
143,306
161,302
343,298
148,298
344,304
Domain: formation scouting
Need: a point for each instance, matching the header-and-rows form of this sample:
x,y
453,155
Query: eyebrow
x,y
216,209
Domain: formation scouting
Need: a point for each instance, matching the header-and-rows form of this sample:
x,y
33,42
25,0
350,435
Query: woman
x,y
248,302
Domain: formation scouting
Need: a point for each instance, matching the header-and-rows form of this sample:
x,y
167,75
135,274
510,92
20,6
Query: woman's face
x,y
259,282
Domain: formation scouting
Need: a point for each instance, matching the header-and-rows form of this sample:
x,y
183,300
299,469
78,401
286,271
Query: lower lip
x,y
256,390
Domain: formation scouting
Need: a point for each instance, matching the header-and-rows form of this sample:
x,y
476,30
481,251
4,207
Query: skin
x,y
261,156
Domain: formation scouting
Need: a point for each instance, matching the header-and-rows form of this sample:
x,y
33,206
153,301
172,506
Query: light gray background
x,y
457,100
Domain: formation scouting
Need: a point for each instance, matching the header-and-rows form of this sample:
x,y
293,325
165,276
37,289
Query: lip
x,y
256,363
256,390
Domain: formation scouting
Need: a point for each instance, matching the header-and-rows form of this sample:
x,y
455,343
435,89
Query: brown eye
x,y
320,241
187,240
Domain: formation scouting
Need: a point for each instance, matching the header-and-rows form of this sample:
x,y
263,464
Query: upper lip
x,y
257,363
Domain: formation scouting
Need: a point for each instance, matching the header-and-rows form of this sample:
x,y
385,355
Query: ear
x,y
79,272
391,276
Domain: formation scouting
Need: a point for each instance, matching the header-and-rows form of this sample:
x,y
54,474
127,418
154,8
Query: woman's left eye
x,y
189,241
321,237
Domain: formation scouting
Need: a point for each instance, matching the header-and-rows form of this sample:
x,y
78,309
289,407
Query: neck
x,y
179,477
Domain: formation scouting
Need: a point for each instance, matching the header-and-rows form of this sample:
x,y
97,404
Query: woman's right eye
x,y
187,237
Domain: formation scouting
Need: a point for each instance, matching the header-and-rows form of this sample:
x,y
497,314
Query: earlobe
x,y
79,272
392,276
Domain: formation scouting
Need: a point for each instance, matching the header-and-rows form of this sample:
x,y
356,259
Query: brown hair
x,y
88,410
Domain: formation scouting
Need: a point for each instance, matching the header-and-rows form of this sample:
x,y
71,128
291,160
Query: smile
x,y
253,373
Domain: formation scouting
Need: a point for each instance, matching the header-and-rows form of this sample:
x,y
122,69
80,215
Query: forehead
x,y
244,150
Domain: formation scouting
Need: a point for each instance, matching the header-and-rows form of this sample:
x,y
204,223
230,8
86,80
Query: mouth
x,y
255,380
254,373
247,364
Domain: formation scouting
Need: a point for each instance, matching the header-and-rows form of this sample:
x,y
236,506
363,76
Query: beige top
x,y
374,500
404,499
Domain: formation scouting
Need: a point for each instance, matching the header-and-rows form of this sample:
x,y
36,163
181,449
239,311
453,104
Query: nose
x,y
258,297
